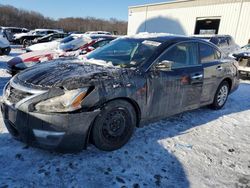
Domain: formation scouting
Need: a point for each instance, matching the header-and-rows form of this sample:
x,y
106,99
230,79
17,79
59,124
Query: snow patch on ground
x,y
201,148
4,76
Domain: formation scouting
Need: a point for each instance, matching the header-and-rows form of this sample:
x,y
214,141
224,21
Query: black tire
x,y
26,43
114,126
220,97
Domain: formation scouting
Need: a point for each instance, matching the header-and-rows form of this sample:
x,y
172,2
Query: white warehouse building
x,y
189,17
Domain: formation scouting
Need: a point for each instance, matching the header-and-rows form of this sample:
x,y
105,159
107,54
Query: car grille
x,y
16,95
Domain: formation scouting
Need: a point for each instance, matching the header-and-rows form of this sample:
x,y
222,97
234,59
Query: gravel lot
x,y
201,148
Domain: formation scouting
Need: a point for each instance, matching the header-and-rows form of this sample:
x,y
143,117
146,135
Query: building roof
x,y
182,4
161,3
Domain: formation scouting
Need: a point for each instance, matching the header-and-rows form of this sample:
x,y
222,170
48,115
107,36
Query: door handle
x,y
197,76
219,68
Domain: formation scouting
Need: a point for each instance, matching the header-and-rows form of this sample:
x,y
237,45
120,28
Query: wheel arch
x,y
134,104
131,101
229,81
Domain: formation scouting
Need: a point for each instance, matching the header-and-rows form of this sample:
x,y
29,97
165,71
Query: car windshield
x,y
125,52
68,39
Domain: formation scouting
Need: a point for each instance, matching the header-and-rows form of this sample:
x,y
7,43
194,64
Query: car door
x,y
175,90
213,68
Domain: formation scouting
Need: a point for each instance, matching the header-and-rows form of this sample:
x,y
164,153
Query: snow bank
x,y
201,148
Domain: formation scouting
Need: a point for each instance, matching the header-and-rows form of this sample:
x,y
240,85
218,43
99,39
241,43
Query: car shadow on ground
x,y
143,162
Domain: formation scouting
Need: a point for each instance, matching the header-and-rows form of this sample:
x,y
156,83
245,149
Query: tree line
x,y
14,17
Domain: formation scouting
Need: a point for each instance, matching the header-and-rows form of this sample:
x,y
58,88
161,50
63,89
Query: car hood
x,y
33,57
67,73
74,44
53,45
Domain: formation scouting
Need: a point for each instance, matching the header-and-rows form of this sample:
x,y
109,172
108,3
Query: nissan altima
x,y
134,80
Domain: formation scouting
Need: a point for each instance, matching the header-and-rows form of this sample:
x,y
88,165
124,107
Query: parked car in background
x,y
53,45
70,43
35,57
73,42
50,37
9,32
26,38
26,60
4,45
243,57
244,52
97,42
225,42
98,33
65,105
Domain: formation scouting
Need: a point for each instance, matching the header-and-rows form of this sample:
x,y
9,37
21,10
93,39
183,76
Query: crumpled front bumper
x,y
64,132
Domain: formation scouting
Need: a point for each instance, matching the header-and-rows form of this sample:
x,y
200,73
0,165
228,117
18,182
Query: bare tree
x,y
11,16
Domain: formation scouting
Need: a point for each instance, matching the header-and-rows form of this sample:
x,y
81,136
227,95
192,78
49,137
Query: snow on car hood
x,y
75,43
69,73
244,51
53,45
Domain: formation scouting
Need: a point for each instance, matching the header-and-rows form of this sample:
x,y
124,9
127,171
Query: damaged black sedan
x,y
66,104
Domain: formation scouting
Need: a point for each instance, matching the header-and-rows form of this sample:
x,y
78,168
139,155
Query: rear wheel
x,y
114,126
26,43
221,96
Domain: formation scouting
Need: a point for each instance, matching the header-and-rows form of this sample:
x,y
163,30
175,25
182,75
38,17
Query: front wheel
x,y
221,96
114,126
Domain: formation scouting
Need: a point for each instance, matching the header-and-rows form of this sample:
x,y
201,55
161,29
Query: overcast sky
x,y
79,8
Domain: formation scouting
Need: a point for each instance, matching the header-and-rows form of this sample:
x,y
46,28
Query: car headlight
x,y
25,65
68,102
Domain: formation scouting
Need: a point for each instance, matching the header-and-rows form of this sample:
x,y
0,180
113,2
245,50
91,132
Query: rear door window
x,y
182,55
101,43
208,53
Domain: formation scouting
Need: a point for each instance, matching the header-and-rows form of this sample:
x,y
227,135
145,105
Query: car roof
x,y
171,39
164,38
211,36
102,36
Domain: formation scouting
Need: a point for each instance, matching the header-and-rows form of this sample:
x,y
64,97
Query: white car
x,y
98,33
4,45
74,42
53,45
70,43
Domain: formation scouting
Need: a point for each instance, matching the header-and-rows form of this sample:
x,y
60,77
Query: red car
x,y
30,59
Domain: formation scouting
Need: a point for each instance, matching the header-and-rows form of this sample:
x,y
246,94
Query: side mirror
x,y
164,65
